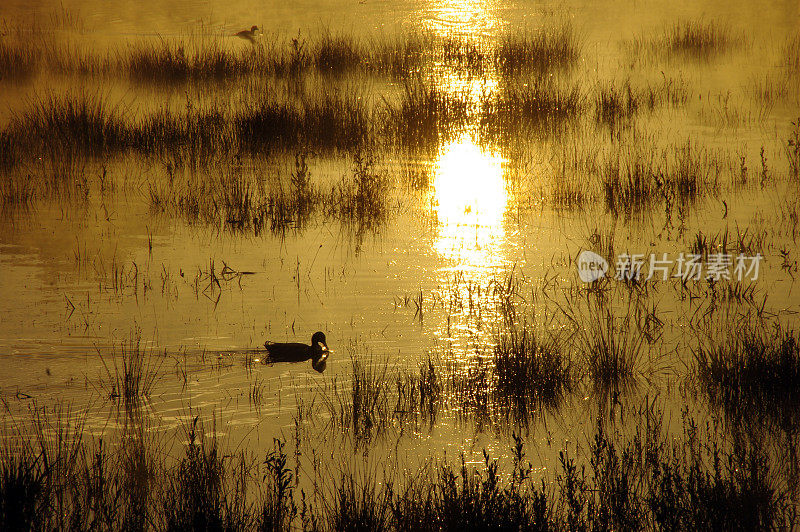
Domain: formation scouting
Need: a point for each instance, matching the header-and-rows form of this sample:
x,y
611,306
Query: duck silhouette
x,y
317,352
250,34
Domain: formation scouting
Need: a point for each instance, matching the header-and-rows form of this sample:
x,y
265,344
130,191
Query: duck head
x,y
319,346
320,351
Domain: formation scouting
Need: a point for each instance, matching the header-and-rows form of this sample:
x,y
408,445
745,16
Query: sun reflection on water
x,y
472,17
469,199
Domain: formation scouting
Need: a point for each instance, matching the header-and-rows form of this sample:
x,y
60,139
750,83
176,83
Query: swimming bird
x,y
317,352
248,34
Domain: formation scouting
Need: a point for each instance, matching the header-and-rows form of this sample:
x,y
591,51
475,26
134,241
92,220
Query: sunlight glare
x,y
471,17
469,198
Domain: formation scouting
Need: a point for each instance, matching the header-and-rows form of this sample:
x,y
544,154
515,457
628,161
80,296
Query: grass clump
x,y
619,104
542,106
753,370
531,373
361,407
361,200
464,54
132,375
179,61
651,479
468,498
612,344
239,200
697,40
613,104
332,121
426,115
628,183
207,490
399,56
86,122
552,48
648,481
791,53
336,54
16,61
635,176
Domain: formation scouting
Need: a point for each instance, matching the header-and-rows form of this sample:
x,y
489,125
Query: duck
x,y
317,352
247,34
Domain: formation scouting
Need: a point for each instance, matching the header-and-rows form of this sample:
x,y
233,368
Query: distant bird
x,y
250,34
317,352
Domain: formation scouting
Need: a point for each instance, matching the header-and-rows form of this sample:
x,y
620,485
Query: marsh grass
x,y
651,479
207,490
400,56
752,370
647,481
542,106
469,390
132,374
199,134
214,58
180,60
426,115
16,194
792,150
72,59
86,121
698,40
238,200
614,348
628,181
633,177
360,504
524,376
455,498
532,373
361,407
748,242
464,54
330,121
791,56
16,61
550,49
618,103
336,54
614,104
361,200
52,478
